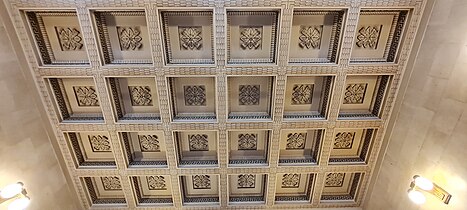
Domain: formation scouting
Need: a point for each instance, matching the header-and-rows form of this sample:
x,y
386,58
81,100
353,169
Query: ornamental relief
x,y
334,180
368,36
86,95
310,37
111,183
156,183
302,94
344,140
251,37
195,95
290,180
249,94
140,95
149,143
201,182
99,143
198,142
246,181
355,93
296,141
190,37
69,38
130,38
247,141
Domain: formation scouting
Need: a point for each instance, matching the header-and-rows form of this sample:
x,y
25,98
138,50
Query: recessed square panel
x,y
135,99
307,97
378,35
300,146
123,36
363,96
193,98
248,147
77,99
188,37
340,186
91,149
196,148
247,188
351,145
58,38
145,149
200,189
251,37
104,191
250,98
315,36
153,190
293,187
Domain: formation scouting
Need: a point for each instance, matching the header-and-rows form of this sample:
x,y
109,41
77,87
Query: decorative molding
x,y
394,39
296,141
194,95
191,40
201,182
310,37
69,38
191,37
149,143
291,180
94,195
86,95
355,93
246,181
145,200
368,37
129,38
334,180
111,183
81,161
247,141
273,45
132,161
348,196
251,37
99,143
249,94
344,140
198,142
302,94
156,183
140,95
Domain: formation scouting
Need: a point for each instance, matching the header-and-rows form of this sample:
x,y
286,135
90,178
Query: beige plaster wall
x,y
26,153
430,133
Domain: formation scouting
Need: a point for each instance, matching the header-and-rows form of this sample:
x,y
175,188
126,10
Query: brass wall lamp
x,y
421,184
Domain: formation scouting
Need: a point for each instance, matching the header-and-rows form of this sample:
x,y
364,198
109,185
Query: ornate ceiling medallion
x,y
310,37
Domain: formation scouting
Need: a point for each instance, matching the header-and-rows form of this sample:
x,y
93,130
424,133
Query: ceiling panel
x,y
218,104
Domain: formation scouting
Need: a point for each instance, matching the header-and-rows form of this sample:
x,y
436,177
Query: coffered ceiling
x,y
218,104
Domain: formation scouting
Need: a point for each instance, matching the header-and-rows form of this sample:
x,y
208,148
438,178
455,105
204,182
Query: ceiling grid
x,y
221,72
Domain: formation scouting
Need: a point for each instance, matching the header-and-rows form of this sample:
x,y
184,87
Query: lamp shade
x,y
11,190
423,183
19,204
417,197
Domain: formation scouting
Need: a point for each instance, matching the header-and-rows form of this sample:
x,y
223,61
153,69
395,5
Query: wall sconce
x,y
15,194
421,184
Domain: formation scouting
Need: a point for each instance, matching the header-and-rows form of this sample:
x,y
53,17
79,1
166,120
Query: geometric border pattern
x,y
339,71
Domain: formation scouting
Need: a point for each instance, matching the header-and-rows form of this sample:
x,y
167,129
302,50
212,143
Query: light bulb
x,y
19,204
423,183
11,190
417,197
